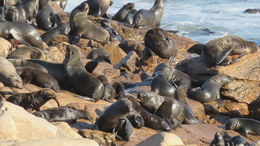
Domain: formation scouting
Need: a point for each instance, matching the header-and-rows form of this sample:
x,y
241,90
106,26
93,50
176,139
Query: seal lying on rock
x,y
62,114
209,90
23,32
223,139
63,28
151,17
170,109
33,101
215,52
157,41
114,120
8,74
82,27
39,78
244,126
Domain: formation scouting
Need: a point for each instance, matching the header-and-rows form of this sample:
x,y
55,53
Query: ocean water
x,y
201,20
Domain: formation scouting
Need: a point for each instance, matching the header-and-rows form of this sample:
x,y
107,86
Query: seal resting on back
x,y
23,32
82,27
157,41
244,126
8,74
151,17
216,51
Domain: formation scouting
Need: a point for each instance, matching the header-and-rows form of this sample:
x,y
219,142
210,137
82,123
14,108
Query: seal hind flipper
x,y
222,55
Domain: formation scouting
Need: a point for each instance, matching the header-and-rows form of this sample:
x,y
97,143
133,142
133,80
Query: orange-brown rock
x,y
129,62
5,47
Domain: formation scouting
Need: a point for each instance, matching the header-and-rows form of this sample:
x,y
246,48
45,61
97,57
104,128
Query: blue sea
x,y
201,20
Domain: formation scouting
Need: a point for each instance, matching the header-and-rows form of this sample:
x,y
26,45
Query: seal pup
x,y
173,111
99,55
23,32
244,126
98,8
63,114
114,120
151,17
216,51
8,74
82,27
157,41
123,12
26,52
223,139
82,81
63,28
209,90
33,101
39,78
106,24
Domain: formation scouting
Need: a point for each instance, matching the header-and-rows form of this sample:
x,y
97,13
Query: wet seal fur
x,y
39,78
8,74
150,120
85,83
63,114
33,101
244,126
216,51
114,120
82,27
23,32
156,41
174,111
151,17
209,90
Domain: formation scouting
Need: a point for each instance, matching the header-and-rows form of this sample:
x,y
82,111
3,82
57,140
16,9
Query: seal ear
x,y
198,49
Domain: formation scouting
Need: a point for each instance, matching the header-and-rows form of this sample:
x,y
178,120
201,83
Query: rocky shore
x,y
240,98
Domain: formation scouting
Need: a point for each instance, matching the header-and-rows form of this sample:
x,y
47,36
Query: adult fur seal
x,y
23,32
62,114
244,126
82,27
157,41
215,52
8,74
34,100
123,12
209,90
162,87
174,111
151,17
113,119
39,78
85,83
63,28
99,8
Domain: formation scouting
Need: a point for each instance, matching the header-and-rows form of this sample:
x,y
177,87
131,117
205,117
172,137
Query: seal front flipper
x,y
18,37
221,55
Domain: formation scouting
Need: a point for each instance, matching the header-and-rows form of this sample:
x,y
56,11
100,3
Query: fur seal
x,y
98,8
223,139
62,114
27,52
150,120
175,77
157,41
85,83
63,28
106,24
136,119
162,87
215,52
23,32
173,111
34,100
151,17
46,18
252,11
114,120
99,55
209,90
244,126
39,78
82,27
8,74
123,12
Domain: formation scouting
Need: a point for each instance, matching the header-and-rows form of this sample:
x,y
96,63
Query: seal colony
x,y
163,106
